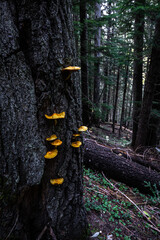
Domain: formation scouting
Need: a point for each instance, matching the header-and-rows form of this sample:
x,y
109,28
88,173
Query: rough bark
x,y
36,42
100,158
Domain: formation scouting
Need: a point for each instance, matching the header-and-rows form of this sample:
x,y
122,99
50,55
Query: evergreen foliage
x,y
117,51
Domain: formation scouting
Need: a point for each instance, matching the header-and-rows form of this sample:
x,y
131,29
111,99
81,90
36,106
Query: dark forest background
x,y
117,46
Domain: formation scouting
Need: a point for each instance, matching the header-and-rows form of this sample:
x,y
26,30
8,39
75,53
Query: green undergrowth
x,y
119,211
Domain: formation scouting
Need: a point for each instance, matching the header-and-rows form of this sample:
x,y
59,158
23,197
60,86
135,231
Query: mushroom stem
x,y
69,75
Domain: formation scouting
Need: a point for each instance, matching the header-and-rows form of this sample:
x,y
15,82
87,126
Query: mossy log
x,y
101,158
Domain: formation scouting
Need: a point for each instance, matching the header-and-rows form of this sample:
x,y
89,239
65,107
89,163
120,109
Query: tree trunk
x,y
154,120
36,43
152,78
106,101
97,65
100,158
115,101
138,65
129,111
84,63
124,98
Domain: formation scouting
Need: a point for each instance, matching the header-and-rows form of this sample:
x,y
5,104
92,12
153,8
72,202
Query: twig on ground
x,y
143,214
41,234
52,234
13,227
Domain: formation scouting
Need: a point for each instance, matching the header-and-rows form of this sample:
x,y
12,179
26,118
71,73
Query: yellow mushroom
x,y
70,69
51,138
56,115
51,154
57,181
76,144
76,135
82,129
56,143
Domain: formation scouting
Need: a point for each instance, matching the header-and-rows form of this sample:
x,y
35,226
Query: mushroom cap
x,y
82,129
76,144
51,154
56,115
71,68
51,138
76,134
57,142
57,181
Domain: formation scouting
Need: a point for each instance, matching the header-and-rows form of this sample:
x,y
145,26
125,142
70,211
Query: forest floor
x,y
115,210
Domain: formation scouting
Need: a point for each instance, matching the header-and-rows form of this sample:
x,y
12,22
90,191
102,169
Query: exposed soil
x,y
117,210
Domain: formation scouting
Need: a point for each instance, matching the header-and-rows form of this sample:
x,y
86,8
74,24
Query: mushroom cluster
x,y
77,144
54,141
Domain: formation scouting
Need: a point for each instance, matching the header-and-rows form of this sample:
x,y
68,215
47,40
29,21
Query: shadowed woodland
x,y
80,120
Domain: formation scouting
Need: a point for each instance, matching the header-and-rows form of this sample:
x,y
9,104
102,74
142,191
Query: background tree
x,y
149,90
97,75
84,62
138,64
36,43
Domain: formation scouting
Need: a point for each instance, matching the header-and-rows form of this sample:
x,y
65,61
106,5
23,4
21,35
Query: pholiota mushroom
x,y
76,144
52,137
56,143
82,129
57,181
76,135
56,115
70,69
51,154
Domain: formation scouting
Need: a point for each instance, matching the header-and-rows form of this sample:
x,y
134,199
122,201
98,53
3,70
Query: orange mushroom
x,y
52,137
76,144
56,115
76,135
57,181
82,129
51,154
70,69
56,143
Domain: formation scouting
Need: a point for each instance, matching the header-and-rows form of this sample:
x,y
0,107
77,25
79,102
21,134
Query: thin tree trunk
x,y
124,98
104,107
36,43
116,100
130,110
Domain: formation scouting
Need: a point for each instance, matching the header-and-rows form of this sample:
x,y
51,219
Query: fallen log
x,y
101,158
138,159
